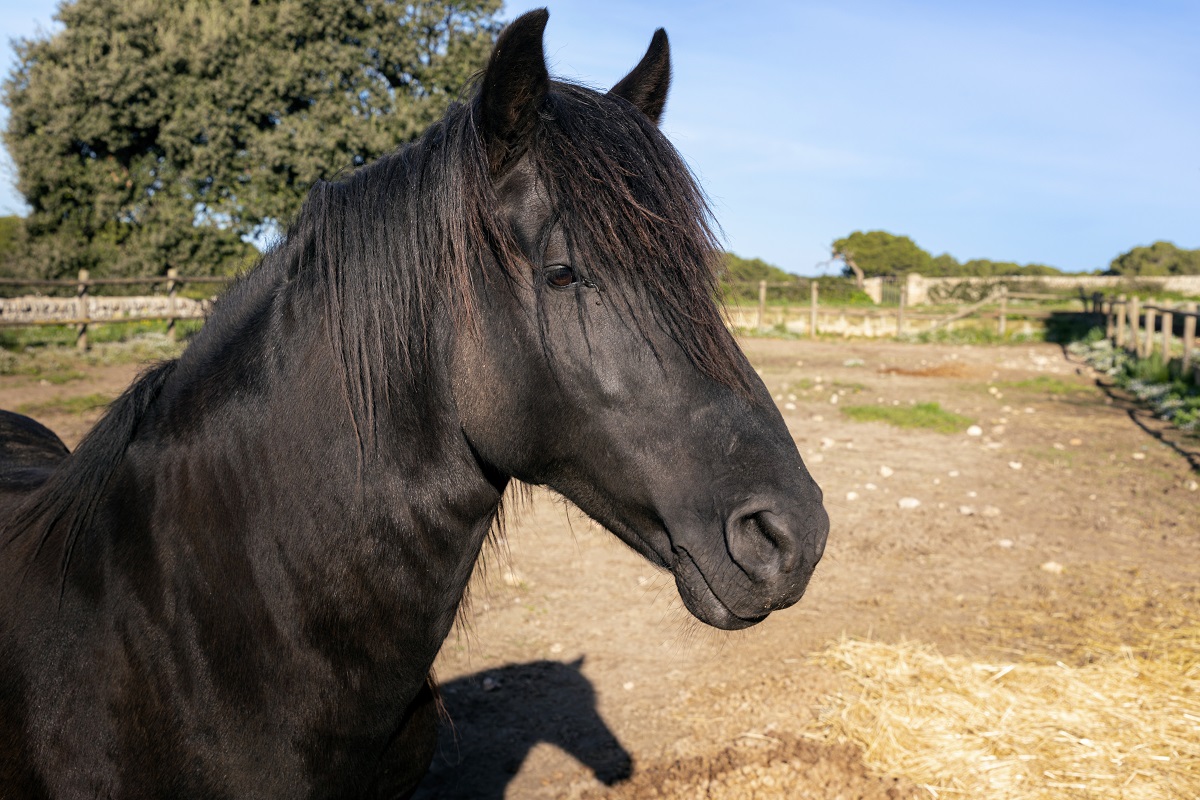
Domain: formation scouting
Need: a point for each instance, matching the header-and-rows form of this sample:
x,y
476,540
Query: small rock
x,y
1028,410
908,502
627,686
817,418
827,443
556,648
792,397
974,430
816,458
998,430
1076,442
789,406
833,398
1005,543
972,494
1014,465
870,487
937,481
1139,456
1192,486
490,684
886,472
853,362
953,473
1053,567
967,511
851,495
512,578
1059,446
990,511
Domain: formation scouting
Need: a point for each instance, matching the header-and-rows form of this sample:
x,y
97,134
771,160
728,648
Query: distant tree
x,y
148,134
740,270
1160,258
10,229
879,253
945,264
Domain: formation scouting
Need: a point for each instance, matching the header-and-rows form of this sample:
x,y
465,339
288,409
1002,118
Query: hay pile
x,y
1126,725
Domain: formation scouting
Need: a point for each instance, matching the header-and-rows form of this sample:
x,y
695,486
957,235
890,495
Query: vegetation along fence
x,y
1149,329
84,308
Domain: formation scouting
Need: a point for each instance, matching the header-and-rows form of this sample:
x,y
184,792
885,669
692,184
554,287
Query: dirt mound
x,y
763,767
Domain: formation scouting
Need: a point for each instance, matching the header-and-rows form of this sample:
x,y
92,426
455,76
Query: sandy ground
x,y
577,673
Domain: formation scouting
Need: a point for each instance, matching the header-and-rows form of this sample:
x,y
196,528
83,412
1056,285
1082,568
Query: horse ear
x,y
646,86
514,86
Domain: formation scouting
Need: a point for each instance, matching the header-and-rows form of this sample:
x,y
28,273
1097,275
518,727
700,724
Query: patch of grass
x,y
1045,384
922,415
78,404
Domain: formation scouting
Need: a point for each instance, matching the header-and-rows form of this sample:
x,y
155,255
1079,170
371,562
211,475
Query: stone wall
x,y
919,286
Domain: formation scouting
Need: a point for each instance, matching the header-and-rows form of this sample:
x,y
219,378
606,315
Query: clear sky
x,y
1061,132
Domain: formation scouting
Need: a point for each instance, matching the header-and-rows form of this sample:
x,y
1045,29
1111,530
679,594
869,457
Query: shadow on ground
x,y
496,717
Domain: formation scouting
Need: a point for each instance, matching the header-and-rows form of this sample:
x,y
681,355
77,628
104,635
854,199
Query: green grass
x,y
78,404
1044,384
930,416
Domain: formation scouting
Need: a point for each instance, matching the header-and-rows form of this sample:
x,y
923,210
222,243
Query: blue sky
x,y
1054,132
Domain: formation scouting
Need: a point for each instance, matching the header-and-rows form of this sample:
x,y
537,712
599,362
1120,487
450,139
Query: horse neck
x,y
251,486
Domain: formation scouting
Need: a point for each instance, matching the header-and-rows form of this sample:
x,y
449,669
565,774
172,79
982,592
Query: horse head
x,y
601,366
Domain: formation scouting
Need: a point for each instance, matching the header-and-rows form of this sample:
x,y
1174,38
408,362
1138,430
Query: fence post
x,y
172,283
1151,324
1120,315
900,310
812,314
1135,321
1097,303
1109,322
81,311
1002,323
1189,338
1168,329
762,304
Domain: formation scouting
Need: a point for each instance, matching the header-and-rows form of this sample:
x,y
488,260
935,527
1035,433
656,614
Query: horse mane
x,y
72,493
394,249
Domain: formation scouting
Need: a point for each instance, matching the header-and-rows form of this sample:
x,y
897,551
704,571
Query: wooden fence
x,y
1147,329
84,309
883,320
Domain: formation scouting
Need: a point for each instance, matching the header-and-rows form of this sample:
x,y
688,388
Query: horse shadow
x,y
497,716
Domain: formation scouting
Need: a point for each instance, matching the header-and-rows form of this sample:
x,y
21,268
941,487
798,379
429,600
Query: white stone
x,y
851,495
974,430
908,502
1014,465
886,471
1053,567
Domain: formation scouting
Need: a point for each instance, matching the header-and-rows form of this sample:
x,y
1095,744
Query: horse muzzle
x,y
764,563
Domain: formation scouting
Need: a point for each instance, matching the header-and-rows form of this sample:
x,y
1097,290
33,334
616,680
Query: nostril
x,y
760,545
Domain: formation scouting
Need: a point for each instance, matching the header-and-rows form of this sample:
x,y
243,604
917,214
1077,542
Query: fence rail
x,y
899,319
83,310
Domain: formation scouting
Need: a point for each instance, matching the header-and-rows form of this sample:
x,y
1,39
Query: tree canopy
x,y
1160,258
148,135
882,254
744,270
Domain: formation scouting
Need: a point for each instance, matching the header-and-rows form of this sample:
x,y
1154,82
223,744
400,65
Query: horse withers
x,y
237,583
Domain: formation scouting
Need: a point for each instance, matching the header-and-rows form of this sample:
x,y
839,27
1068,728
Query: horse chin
x,y
702,601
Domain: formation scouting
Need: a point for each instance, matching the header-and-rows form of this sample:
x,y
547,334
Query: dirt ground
x,y
577,673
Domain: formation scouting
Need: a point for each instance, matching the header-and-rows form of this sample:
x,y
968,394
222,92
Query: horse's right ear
x,y
514,85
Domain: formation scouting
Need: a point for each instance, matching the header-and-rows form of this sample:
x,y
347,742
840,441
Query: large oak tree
x,y
149,135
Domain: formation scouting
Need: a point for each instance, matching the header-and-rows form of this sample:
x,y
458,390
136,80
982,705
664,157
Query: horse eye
x,y
561,276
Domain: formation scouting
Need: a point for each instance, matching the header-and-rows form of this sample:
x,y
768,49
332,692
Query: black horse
x,y
237,583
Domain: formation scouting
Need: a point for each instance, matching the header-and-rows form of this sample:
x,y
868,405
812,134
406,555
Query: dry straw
x,y
1125,726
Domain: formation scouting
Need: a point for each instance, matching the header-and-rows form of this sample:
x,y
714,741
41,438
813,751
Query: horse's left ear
x,y
514,86
646,86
